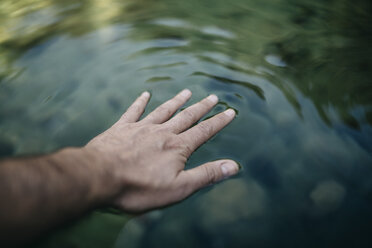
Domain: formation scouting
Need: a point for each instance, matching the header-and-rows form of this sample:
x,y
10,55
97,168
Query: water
x,y
298,73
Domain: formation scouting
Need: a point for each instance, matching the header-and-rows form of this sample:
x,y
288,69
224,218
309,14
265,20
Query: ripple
x,y
170,22
254,88
158,79
163,66
225,65
211,30
275,60
150,50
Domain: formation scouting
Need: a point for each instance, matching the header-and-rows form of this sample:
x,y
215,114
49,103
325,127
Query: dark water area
x,y
298,73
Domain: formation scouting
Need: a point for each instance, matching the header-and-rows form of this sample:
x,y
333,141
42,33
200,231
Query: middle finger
x,y
192,114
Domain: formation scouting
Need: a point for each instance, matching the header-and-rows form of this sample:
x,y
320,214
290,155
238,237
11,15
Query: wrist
x,y
92,171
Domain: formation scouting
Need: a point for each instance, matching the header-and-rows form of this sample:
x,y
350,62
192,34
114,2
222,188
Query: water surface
x,y
298,73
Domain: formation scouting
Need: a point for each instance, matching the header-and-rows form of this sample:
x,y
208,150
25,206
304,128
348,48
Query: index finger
x,y
205,130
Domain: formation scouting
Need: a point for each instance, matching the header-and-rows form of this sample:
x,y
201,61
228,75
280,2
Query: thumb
x,y
208,173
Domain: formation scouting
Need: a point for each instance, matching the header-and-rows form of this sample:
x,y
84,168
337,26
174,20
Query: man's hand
x,y
135,165
147,157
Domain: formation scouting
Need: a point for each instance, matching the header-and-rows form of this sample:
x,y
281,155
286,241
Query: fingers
x,y
167,109
207,174
192,114
202,132
137,108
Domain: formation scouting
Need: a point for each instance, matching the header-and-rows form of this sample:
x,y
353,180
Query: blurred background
x,y
298,72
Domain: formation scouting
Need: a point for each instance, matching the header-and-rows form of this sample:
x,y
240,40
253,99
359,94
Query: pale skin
x,y
136,166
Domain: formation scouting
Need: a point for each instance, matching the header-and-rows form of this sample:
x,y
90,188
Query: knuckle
x,y
185,151
188,114
206,129
222,118
205,104
136,107
211,174
124,126
177,101
140,101
165,110
162,129
172,144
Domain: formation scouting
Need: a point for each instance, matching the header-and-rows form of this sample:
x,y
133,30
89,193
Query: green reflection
x,y
325,46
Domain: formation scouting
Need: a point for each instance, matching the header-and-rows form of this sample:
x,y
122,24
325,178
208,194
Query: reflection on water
x,y
253,87
298,72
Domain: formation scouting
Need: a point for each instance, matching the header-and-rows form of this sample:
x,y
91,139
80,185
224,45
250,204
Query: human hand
x,y
147,157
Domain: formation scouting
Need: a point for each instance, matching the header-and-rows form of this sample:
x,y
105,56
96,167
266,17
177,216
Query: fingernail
x,y
146,94
213,98
230,112
186,93
229,169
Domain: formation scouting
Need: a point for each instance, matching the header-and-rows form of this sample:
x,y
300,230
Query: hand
x,y
147,157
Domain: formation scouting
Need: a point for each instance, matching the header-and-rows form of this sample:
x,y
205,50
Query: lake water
x,y
297,71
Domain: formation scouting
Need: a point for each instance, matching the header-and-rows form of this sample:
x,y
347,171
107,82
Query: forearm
x,y
39,193
136,165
